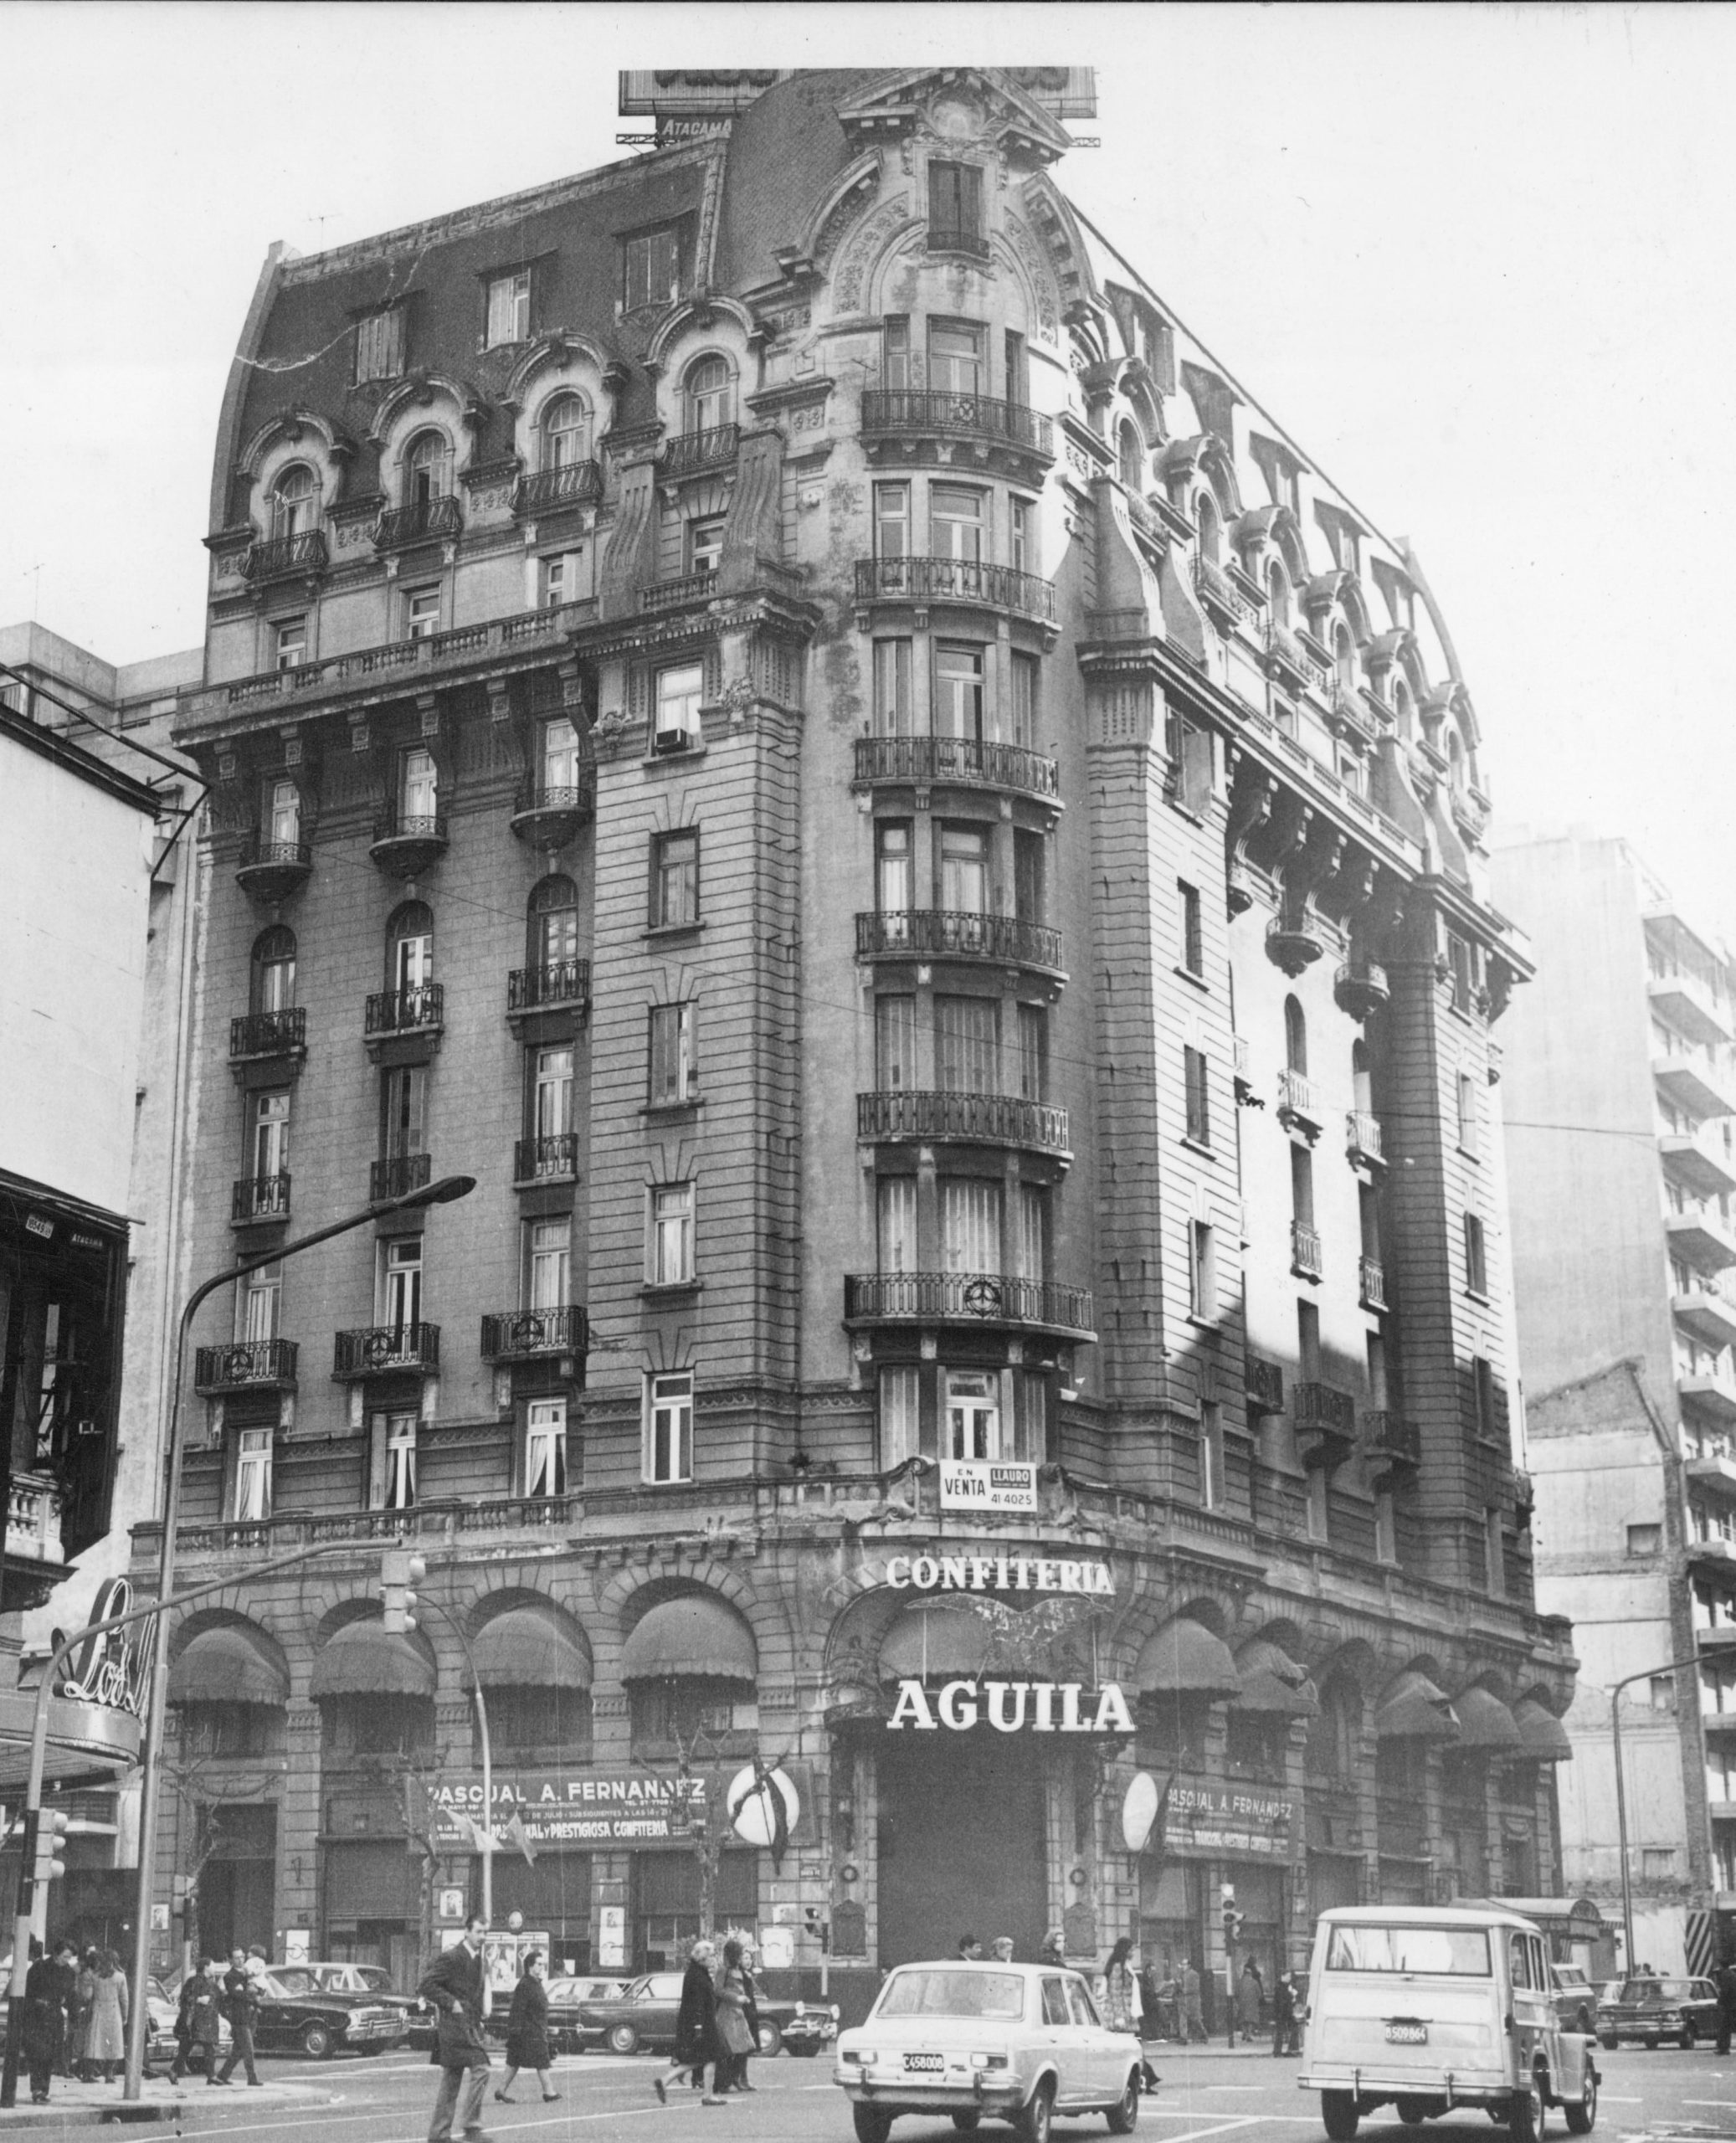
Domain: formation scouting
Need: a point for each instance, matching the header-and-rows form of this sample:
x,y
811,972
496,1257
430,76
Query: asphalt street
x,y
1241,2098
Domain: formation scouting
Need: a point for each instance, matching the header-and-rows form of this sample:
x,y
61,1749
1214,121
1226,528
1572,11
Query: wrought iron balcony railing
x,y
1360,987
407,841
283,557
579,483
958,238
688,452
916,409
1322,1408
1263,1383
1304,1251
575,800
956,758
955,934
1219,592
247,1366
966,1298
980,1119
270,1033
273,869
523,1334
398,1175
406,1011
382,1349
551,1158
1390,1435
424,522
556,983
956,580
1371,1279
259,1198
1362,1136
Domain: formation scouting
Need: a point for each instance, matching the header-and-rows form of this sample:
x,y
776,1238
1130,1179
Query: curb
x,y
61,2116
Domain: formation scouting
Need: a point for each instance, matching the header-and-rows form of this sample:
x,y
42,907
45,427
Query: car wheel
x,y
873,2124
1525,2114
1338,2109
1124,2114
1031,2123
318,2040
623,2039
1650,2044
1411,2112
966,2121
771,2040
1687,2031
1582,2117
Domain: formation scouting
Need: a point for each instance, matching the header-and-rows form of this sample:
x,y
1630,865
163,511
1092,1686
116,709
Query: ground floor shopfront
x,y
878,1744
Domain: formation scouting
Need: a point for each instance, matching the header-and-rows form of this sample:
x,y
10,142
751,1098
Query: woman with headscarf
x,y
527,2030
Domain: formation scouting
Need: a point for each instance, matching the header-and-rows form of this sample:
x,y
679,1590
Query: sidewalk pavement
x,y
76,2105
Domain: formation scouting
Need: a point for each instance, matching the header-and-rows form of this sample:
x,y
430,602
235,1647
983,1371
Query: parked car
x,y
1653,2010
1575,1998
566,2034
374,1982
1428,2010
645,2015
1018,2042
296,2011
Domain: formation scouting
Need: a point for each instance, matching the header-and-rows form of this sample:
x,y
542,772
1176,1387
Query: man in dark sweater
x,y
455,1984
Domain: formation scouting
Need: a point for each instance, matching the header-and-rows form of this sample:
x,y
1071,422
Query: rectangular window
x,y
650,268
422,613
1483,1380
509,308
1462,966
965,1037
1645,1539
970,1225
955,357
284,816
1017,367
896,1223
379,345
892,886
291,643
1307,1341
561,580
270,1135
1188,781
546,1447
669,1427
1033,1212
1033,1052
1203,1271
964,870
1467,1112
1367,1211
391,1463
674,1060
1193,942
253,1477
1030,854
1198,1103
957,690
1494,1555
679,693
1022,535
955,202
955,523
669,1260
557,753
894,708
1476,1272
895,1044
401,1283
258,1310
901,1413
1386,1530
548,1252
1302,1186
675,879
1030,1424
552,1092
1025,702
404,1115
418,785
972,1415
1211,1455
892,521
705,543
895,354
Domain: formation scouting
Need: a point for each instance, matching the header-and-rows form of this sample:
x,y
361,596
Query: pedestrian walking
x,y
1285,2036
1054,1951
751,2010
527,2031
48,1989
85,1993
198,2025
1119,1994
106,2026
735,2038
970,1950
1001,1949
454,1983
241,2006
1726,2004
1193,2017
696,2040
1250,1999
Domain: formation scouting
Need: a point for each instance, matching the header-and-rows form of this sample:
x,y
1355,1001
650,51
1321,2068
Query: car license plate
x,y
1408,2034
915,2063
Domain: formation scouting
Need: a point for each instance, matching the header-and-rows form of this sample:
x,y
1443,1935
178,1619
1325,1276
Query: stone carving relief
x,y
876,232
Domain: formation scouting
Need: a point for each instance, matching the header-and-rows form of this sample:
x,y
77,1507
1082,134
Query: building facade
x,y
770,705
1620,1086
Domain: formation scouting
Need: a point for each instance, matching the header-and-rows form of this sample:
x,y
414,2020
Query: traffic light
x,y
1232,1919
399,1572
44,1841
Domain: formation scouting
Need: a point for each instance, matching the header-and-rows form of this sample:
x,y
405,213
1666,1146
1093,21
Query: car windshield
x,y
1438,1952
951,1993
1657,1989
294,1981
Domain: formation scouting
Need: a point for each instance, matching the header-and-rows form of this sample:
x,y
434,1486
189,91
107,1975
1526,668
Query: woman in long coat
x,y
697,2041
733,1997
106,2028
1250,1998
1121,1996
527,2030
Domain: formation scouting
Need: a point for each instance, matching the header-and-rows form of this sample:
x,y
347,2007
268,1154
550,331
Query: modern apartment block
x,y
1620,1089
770,704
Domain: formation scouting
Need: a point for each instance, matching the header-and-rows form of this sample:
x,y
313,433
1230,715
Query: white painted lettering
x,y
997,1693
957,1705
1044,1691
1113,1716
925,1573
951,1574
898,1572
1070,1722
911,1709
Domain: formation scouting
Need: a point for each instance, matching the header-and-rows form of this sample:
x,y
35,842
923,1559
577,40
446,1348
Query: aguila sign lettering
x,y
1012,1707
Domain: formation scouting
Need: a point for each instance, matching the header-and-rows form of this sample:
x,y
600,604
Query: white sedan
x,y
1018,2042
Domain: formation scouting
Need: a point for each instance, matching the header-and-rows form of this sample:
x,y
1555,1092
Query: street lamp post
x,y
1645,1674
441,1193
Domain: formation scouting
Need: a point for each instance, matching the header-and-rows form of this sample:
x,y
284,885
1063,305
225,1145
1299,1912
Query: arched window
x,y
1277,593
1130,455
295,501
1333,1732
410,947
1344,656
566,432
1211,529
1296,1038
711,394
427,469
274,970
554,922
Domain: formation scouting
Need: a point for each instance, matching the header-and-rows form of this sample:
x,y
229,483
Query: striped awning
x,y
1183,1657
362,1659
937,1640
530,1648
1413,1709
1542,1735
695,1635
1271,1681
233,1663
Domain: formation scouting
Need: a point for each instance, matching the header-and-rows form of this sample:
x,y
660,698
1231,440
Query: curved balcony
x,y
958,237
553,491
529,1335
1363,1141
259,1037
990,1299
257,1201
1298,1104
967,1119
1293,943
969,581
912,414
551,1158
248,1365
418,1014
1391,1437
397,1175
406,842
557,986
1360,988
923,762
386,1350
271,871
285,557
1325,1424
953,934
689,453
429,520
548,818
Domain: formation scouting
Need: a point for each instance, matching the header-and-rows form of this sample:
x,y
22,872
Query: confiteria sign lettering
x,y
1011,1707
996,1574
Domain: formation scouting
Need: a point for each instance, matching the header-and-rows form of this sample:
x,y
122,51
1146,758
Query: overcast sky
x,y
1477,262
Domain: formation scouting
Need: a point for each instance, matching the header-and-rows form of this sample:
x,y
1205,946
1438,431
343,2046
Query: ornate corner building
x,y
770,704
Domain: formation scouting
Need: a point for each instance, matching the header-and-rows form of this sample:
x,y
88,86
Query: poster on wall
x,y
612,1937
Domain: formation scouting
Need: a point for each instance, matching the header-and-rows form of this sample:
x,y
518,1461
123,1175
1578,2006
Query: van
x,y
1431,2010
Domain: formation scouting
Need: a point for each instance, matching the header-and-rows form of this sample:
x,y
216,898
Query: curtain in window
x,y
970,1226
901,1435
898,1224
964,1044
